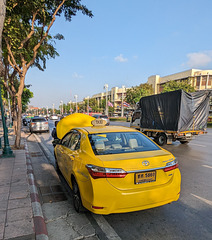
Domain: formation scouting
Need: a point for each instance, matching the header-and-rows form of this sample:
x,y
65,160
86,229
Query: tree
x,y
93,105
2,17
26,31
27,94
134,94
177,85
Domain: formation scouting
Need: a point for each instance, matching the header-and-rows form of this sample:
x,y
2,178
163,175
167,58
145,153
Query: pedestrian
x,y
54,132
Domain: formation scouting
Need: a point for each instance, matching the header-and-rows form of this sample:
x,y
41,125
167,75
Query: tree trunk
x,y
18,131
14,114
2,17
19,106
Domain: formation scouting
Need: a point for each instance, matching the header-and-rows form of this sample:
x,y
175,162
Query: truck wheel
x,y
184,142
161,139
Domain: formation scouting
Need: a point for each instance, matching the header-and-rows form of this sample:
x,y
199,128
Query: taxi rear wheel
x,y
76,197
56,165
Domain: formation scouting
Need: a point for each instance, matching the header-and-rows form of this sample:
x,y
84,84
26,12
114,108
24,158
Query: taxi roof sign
x,y
99,122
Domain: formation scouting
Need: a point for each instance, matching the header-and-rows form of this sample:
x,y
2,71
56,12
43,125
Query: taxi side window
x,y
66,140
74,142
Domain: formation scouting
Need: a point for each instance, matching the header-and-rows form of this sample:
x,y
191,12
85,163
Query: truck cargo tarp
x,y
175,111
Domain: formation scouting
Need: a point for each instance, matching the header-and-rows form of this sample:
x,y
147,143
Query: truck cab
x,y
136,119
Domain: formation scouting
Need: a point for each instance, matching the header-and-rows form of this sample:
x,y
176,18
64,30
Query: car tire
x,y
76,197
161,139
57,166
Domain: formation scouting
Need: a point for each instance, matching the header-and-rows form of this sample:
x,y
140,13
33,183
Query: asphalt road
x,y
188,218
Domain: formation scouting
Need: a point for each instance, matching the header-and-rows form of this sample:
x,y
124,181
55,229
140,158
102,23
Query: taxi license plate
x,y
145,177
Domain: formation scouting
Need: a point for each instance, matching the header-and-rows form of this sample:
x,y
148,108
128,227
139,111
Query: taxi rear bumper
x,y
105,199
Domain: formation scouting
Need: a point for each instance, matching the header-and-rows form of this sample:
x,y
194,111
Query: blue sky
x,y
123,44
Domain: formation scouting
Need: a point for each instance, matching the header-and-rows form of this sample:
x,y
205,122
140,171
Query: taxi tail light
x,y
100,172
96,207
171,166
33,124
46,123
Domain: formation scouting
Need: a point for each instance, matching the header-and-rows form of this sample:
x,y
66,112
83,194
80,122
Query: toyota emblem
x,y
145,163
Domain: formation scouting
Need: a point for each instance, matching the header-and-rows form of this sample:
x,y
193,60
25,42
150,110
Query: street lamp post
x,y
70,107
106,103
88,105
7,151
9,106
53,109
75,96
122,101
61,110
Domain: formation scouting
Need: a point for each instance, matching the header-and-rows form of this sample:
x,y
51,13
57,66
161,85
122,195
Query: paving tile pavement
x,y
16,218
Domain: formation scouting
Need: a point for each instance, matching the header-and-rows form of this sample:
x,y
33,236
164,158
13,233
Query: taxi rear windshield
x,y
120,142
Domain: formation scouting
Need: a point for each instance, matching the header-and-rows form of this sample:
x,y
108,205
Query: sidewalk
x,y
21,213
16,218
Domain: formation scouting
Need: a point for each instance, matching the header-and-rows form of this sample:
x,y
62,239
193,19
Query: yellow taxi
x,y
114,169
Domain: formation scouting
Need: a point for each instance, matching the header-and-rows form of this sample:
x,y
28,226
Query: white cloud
x,y
120,58
76,76
199,59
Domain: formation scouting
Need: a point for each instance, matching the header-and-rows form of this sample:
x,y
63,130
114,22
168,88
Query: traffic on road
x,y
188,218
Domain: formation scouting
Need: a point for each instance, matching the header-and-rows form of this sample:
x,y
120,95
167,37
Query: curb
x,y
38,218
45,150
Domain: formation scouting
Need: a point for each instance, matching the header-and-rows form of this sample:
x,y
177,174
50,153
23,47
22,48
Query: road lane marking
x,y
207,166
202,199
106,228
197,145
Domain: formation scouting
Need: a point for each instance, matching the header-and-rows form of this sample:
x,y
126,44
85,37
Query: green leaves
x,y
26,96
27,25
134,94
177,85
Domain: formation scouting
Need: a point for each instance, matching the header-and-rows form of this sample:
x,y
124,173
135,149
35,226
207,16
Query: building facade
x,y
115,96
199,79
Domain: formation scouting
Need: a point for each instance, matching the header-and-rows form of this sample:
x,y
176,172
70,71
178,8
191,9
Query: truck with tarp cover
x,y
172,116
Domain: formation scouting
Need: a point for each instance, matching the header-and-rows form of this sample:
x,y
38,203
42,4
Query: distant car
x,y
113,169
104,117
26,121
39,124
54,117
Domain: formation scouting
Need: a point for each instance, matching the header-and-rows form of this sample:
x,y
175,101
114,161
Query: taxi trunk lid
x,y
145,169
